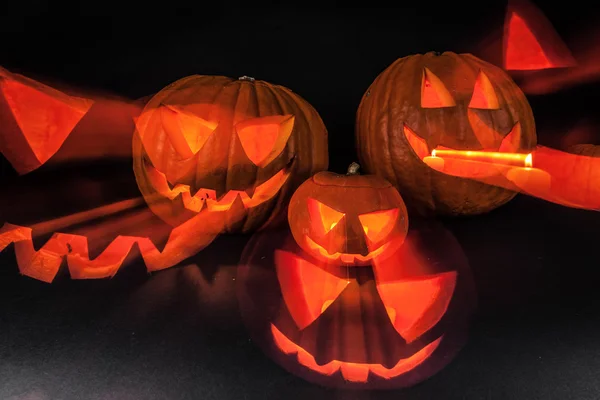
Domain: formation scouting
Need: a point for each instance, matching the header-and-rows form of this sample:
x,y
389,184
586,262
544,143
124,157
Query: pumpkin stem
x,y
353,169
246,78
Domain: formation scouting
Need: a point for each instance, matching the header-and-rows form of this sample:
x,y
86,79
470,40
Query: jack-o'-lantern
x,y
441,101
389,326
92,215
348,218
214,144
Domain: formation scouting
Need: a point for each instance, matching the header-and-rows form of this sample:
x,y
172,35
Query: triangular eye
x,y
307,289
484,96
264,138
378,225
45,116
187,132
433,92
416,305
323,218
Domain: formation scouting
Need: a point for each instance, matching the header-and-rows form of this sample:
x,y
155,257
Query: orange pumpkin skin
x,y
349,219
215,143
441,100
385,327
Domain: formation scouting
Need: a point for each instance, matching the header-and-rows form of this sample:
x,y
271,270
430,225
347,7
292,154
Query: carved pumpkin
x,y
212,143
348,218
95,227
444,101
388,326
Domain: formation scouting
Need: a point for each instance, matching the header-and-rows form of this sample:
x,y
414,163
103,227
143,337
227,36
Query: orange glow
x,y
418,144
186,131
530,40
307,289
264,138
323,217
568,179
433,92
511,143
523,51
44,118
552,81
43,264
417,304
348,258
353,372
484,96
378,225
575,178
206,198
516,159
462,168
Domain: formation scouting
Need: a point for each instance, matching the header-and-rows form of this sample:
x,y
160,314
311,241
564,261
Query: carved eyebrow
x,y
434,93
484,96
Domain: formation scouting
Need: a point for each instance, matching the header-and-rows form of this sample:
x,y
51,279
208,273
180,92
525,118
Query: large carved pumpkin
x,y
75,154
350,218
456,101
388,326
217,144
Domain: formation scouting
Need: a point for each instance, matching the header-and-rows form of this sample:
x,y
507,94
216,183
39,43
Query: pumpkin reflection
x,y
388,326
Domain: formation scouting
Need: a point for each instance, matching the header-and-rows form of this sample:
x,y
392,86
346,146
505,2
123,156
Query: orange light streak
x,y
85,216
515,159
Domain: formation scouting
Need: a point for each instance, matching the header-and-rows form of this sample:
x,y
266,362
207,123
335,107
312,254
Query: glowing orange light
x,y
523,51
205,199
324,217
516,159
44,264
433,92
530,40
353,372
44,119
417,304
378,225
187,132
264,138
306,288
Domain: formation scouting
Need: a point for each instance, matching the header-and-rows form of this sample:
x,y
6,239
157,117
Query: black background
x,y
141,336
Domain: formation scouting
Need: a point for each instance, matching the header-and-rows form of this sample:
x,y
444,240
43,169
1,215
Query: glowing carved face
x,y
446,101
435,95
350,219
223,145
343,326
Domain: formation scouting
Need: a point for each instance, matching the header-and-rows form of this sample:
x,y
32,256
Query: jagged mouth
x,y
205,198
352,372
347,258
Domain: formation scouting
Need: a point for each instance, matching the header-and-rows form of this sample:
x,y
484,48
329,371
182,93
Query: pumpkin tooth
x,y
250,191
355,372
172,186
220,193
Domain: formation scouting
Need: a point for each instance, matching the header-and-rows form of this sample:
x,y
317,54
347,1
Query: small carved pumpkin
x,y
212,143
447,101
348,218
388,326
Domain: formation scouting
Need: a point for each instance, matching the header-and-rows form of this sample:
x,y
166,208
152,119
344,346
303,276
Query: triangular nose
x,y
355,242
